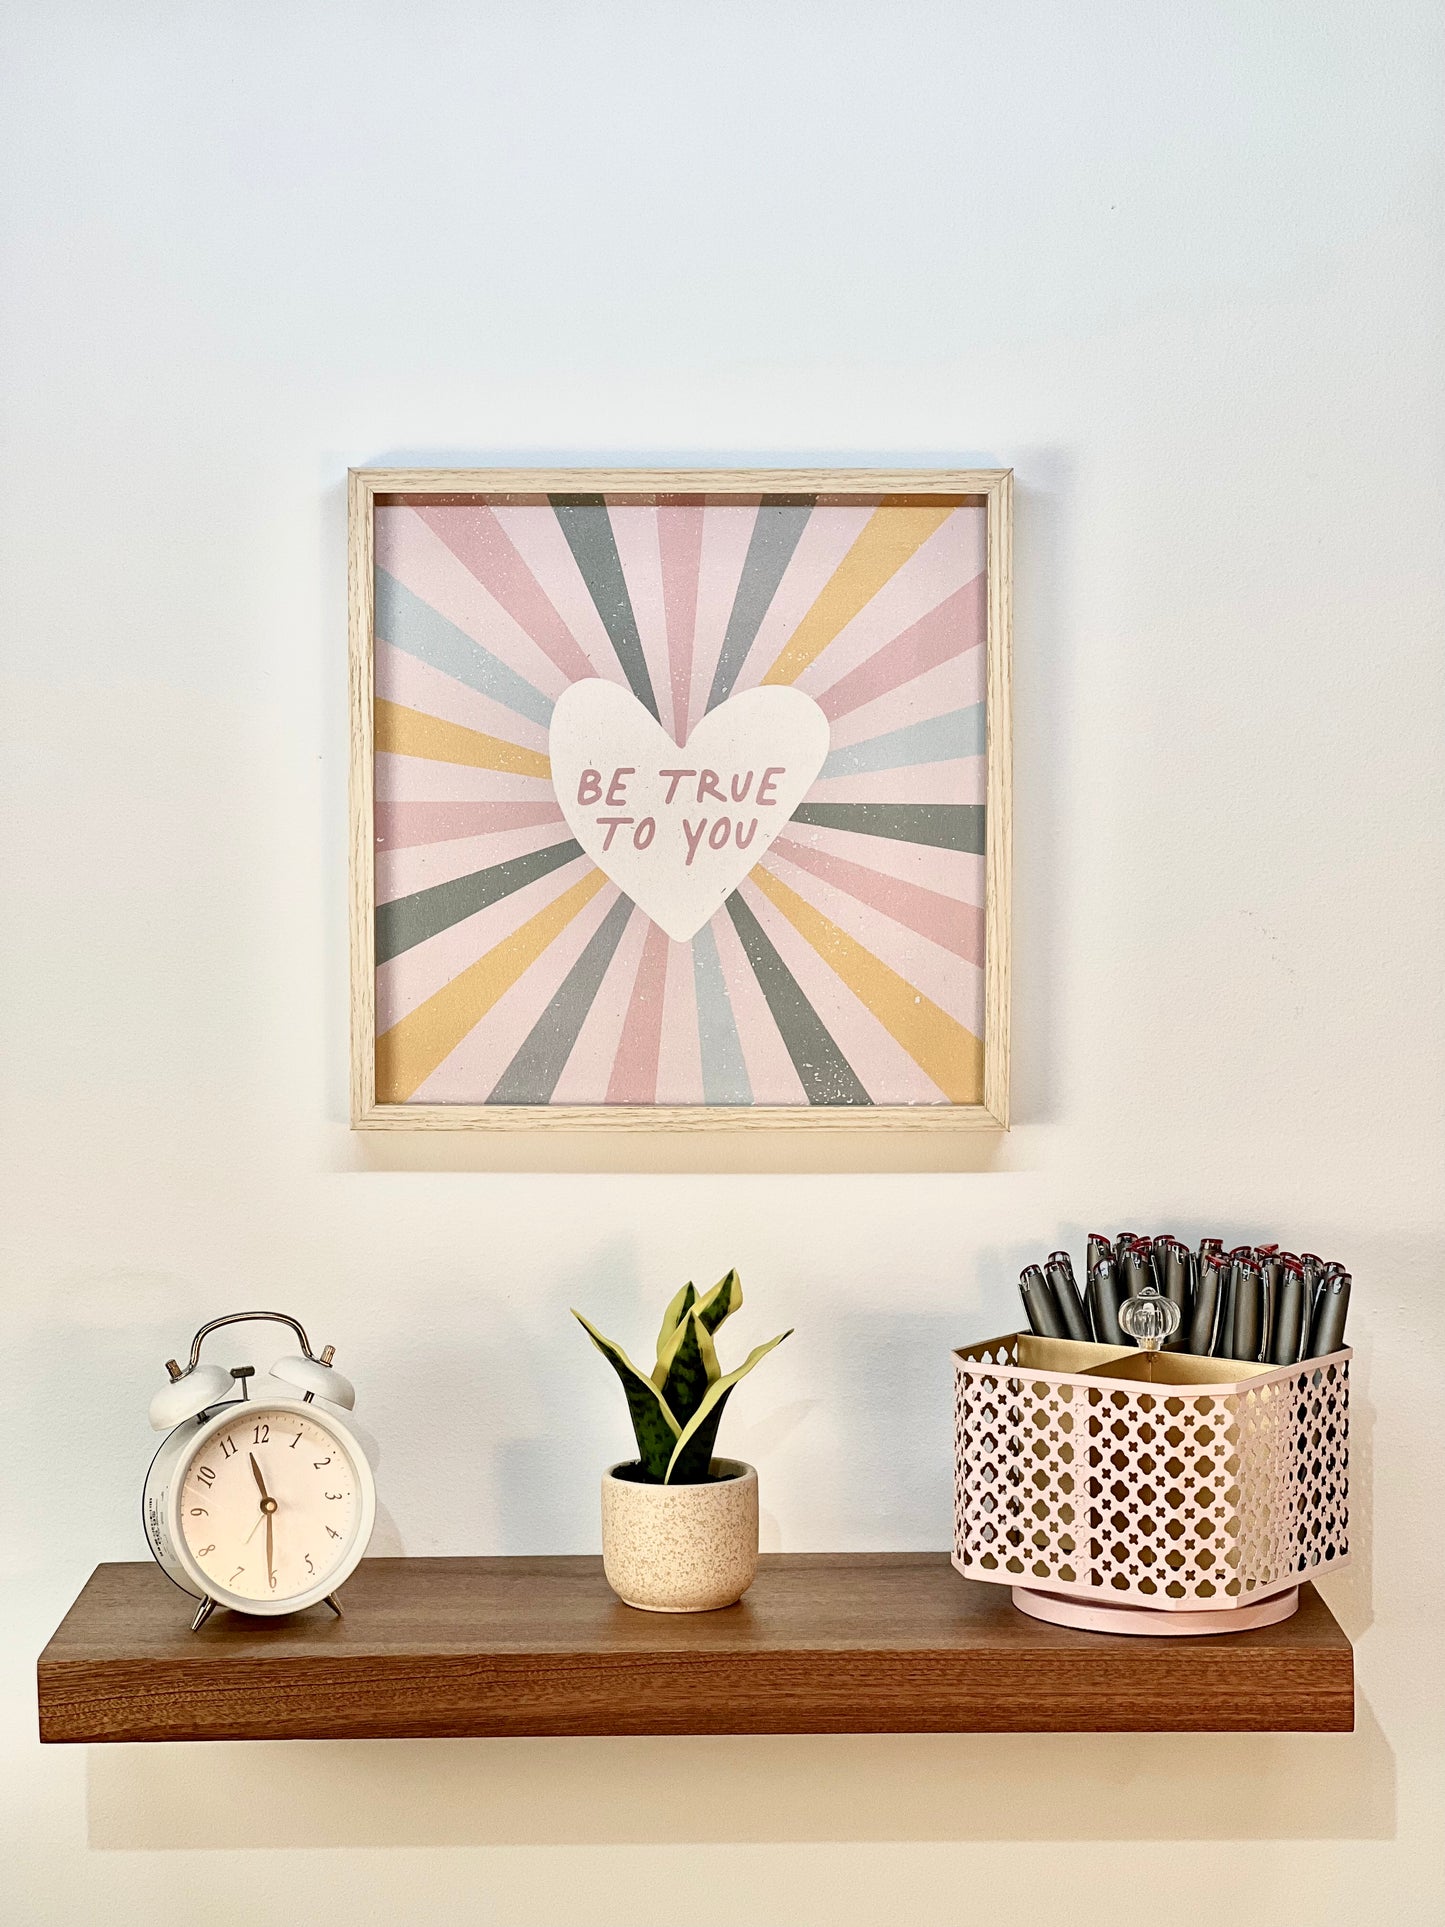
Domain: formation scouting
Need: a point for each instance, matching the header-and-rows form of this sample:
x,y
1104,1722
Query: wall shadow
x,y
855,1788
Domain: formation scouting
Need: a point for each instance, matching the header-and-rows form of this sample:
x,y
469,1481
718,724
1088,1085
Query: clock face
x,y
269,1504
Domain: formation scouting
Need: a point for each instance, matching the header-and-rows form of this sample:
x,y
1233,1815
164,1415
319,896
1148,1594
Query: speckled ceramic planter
x,y
681,1548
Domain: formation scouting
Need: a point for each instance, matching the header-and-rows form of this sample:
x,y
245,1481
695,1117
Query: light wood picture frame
x,y
529,648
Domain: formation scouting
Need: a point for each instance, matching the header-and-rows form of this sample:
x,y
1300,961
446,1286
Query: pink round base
x,y
1150,1620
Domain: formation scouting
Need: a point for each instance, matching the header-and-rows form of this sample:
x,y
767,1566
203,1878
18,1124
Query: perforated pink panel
x,y
1181,1497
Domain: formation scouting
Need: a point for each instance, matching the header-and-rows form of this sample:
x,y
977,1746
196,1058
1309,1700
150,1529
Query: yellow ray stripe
x,y
887,539
937,1043
408,1053
408,732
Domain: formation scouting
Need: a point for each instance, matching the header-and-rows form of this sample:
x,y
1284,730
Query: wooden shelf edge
x,y
824,1643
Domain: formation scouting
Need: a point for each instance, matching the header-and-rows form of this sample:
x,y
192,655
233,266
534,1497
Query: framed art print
x,y
680,798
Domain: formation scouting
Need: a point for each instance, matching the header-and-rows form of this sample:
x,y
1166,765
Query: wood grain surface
x,y
823,1643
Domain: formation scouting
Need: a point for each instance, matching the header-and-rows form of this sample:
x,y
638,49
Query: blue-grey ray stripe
x,y
532,1075
406,921
724,1073
588,529
413,626
781,520
946,826
826,1075
936,739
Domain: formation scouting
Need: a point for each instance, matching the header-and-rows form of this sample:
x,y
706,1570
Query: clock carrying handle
x,y
246,1318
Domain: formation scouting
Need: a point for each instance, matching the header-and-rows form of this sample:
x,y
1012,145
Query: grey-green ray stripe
x,y
532,1075
936,739
724,1073
414,627
946,826
588,529
406,921
826,1075
781,520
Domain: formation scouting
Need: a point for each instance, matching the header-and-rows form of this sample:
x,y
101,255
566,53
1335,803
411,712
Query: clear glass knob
x,y
1149,1319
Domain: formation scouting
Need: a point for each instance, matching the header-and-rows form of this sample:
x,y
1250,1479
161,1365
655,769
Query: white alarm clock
x,y
262,1505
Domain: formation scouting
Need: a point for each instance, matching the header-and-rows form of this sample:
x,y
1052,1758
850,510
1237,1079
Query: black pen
x,y
1287,1336
1248,1311
1043,1313
1327,1333
1060,1274
1175,1288
1207,1296
1105,1298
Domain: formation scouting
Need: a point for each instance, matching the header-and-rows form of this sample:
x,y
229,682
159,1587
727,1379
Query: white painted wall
x,y
1180,267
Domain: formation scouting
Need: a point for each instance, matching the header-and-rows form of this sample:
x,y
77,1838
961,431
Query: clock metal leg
x,y
203,1613
335,1604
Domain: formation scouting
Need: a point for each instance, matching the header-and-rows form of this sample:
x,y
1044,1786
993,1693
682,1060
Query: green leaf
x,y
654,1425
692,1454
690,1368
671,1319
721,1302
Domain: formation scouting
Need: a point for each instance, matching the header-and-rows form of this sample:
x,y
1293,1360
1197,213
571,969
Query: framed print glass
x,y
680,798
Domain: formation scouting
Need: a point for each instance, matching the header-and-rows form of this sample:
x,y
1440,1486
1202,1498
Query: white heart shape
x,y
664,823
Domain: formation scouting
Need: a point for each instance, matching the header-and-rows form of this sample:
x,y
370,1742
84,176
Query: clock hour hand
x,y
256,1474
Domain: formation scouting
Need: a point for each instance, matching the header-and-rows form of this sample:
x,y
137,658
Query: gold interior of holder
x,y
1171,1368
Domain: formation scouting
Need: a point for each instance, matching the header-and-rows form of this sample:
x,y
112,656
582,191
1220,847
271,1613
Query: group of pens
x,y
1255,1303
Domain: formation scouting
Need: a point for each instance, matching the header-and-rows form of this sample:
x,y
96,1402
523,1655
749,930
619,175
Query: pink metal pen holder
x,y
1148,1492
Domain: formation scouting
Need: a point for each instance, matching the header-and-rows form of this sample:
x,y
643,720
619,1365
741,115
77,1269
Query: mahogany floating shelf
x,y
823,1643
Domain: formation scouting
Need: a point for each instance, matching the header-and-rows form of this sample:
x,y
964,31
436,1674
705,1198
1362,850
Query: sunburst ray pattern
x,y
846,968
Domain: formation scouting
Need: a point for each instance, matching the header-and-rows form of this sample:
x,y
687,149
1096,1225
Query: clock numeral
x,y
199,1512
261,1435
235,1575
273,1582
332,1533
316,1464
206,1475
336,1495
309,1567
201,1551
228,1449
295,1442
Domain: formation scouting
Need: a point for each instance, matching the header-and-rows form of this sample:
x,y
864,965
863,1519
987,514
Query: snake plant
x,y
677,1408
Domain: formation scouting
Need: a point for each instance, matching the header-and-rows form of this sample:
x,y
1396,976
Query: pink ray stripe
x,y
537,536
963,781
955,626
400,678
952,556
727,529
408,980
634,1070
883,1067
952,685
412,551
956,926
951,983
634,529
401,872
830,533
584,1078
401,826
470,1074
477,539
956,873
679,542
417,779
679,1061
772,1078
